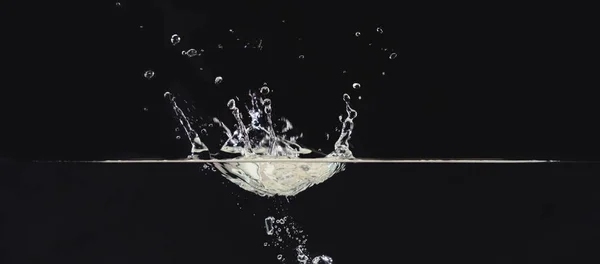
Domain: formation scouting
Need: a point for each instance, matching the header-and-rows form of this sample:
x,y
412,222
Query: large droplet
x,y
218,80
346,98
231,104
323,259
149,74
175,39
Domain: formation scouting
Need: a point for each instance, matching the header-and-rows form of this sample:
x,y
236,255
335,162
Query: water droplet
x,y
220,46
344,71
141,26
145,109
346,97
231,30
118,3
327,136
176,129
323,259
301,57
393,56
283,21
178,137
357,34
266,244
382,73
149,74
218,80
203,131
191,53
356,85
359,97
201,69
175,39
264,90
279,257
231,104
379,30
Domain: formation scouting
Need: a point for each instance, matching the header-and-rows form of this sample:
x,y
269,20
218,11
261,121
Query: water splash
x,y
197,146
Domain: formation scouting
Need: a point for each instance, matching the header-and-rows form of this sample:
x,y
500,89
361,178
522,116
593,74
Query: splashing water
x,y
259,140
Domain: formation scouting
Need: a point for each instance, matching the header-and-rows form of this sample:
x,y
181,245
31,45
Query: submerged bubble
x,y
218,80
357,34
191,53
379,30
356,85
149,74
393,56
231,104
175,39
323,259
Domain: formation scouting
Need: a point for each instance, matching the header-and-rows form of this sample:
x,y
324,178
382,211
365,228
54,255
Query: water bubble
x,y
346,98
323,259
264,90
218,80
301,57
175,39
178,137
191,53
393,56
357,34
231,104
203,131
356,85
279,257
149,74
379,30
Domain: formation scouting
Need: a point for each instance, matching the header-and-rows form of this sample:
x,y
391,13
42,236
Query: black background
x,y
470,81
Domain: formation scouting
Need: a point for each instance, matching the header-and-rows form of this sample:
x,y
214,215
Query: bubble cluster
x,y
149,74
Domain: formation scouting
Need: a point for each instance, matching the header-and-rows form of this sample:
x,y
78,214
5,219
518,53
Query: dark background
x,y
470,81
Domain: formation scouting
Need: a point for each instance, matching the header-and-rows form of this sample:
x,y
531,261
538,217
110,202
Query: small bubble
x,y
178,137
356,85
264,90
203,131
149,74
346,97
175,39
379,30
218,80
357,34
301,57
191,53
393,56
231,104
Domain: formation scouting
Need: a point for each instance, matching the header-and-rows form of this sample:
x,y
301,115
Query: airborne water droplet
x,y
393,56
279,257
357,34
301,57
118,4
356,85
175,39
178,137
149,74
218,80
379,30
